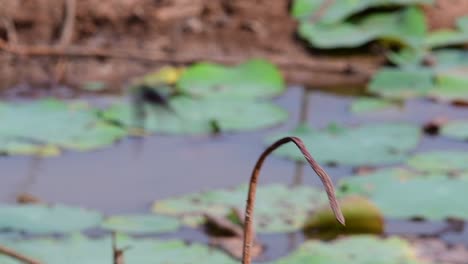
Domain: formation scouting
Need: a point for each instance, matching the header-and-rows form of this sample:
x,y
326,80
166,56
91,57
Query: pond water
x,y
130,175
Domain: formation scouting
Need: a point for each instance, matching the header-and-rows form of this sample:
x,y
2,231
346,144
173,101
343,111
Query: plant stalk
x,y
249,211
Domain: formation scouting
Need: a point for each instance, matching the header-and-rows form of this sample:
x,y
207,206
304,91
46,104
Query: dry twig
x,y
248,233
13,254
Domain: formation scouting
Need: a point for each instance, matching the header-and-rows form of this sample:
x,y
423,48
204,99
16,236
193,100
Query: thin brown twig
x,y
326,181
319,65
20,257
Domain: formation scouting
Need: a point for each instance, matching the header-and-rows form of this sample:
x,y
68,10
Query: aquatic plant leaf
x,y
276,209
401,84
372,144
368,104
402,194
81,250
362,217
363,249
41,219
141,223
44,127
440,161
457,129
338,11
201,116
252,79
449,37
450,87
406,28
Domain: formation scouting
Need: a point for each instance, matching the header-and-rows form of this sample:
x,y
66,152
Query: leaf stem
x,y
326,181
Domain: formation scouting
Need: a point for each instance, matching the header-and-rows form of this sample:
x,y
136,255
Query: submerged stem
x,y
326,181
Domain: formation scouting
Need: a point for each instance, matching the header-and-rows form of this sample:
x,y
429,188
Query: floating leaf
x,y
44,127
253,79
364,145
276,210
368,104
457,129
190,116
403,194
406,28
363,249
81,250
337,11
141,223
362,217
450,87
396,83
440,161
40,219
448,37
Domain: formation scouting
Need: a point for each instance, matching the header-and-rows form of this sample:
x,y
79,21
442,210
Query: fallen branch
x,y
68,24
319,65
13,254
248,233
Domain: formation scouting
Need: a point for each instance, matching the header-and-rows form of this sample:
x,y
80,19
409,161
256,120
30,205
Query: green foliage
x,y
440,161
369,104
45,127
252,79
42,219
396,83
199,116
372,144
141,223
354,250
457,129
406,28
276,210
403,194
81,250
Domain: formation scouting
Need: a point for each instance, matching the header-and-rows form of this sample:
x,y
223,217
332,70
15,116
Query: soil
x,y
112,41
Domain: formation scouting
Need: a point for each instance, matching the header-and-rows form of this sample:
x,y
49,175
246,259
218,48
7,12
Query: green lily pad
x,y
191,116
141,223
253,79
368,104
440,161
40,219
363,249
81,250
362,217
448,37
276,210
401,84
372,144
406,28
450,87
44,127
338,11
457,129
403,194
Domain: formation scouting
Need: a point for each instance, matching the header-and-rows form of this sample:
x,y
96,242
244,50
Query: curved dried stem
x,y
327,183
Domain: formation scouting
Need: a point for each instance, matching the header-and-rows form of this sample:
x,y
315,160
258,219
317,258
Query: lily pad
x,y
141,223
368,104
440,161
276,209
338,11
450,88
401,84
449,37
191,116
403,194
41,219
363,249
81,250
45,127
252,79
372,144
457,129
362,217
406,28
